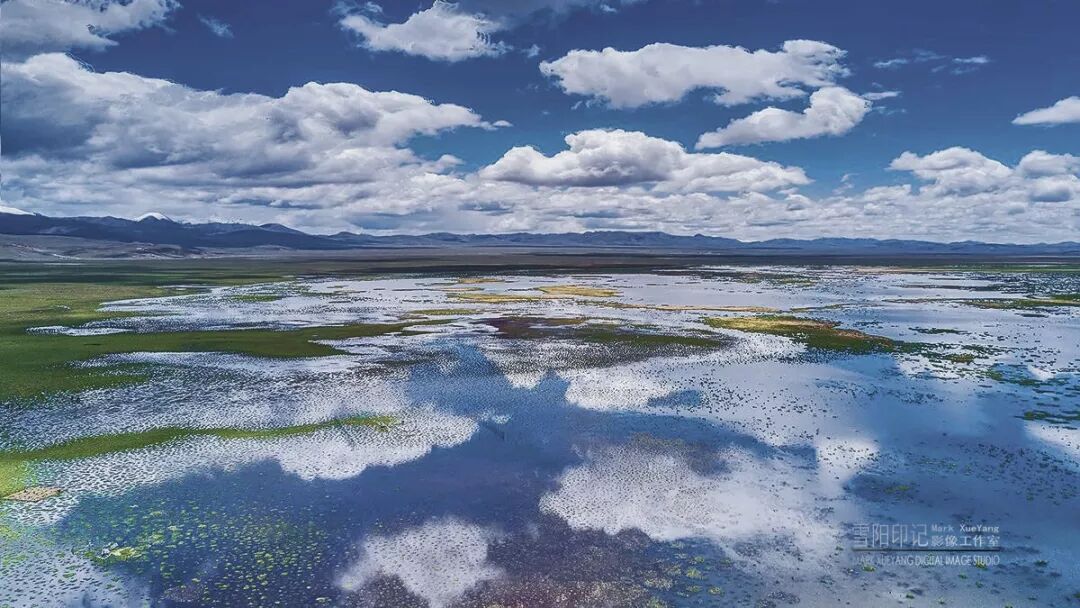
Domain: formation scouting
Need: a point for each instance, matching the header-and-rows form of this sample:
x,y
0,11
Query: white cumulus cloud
x,y
1040,163
35,26
442,32
315,133
832,111
454,31
598,158
662,72
955,169
1063,111
962,174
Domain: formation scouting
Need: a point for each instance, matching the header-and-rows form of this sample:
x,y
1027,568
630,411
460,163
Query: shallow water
x,y
557,471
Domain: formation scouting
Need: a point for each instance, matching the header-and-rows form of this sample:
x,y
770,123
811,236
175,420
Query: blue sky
x,y
748,118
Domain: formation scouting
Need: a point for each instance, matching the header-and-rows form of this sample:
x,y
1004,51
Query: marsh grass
x,y
548,292
1066,418
16,465
1026,303
14,476
255,298
579,328
815,333
442,312
87,447
493,298
959,357
583,291
39,364
476,280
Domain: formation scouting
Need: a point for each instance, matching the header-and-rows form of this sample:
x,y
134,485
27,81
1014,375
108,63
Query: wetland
x,y
322,434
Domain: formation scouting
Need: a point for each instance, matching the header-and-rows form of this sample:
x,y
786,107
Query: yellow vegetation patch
x,y
579,290
492,298
888,270
549,293
33,494
474,280
682,307
770,324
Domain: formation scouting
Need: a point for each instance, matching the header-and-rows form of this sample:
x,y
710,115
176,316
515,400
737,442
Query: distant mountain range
x,y
181,237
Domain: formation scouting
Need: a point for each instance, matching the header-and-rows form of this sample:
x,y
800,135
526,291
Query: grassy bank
x,y
16,465
36,364
824,335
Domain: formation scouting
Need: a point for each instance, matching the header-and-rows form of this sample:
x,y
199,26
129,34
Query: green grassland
x,y
87,447
37,364
14,476
34,364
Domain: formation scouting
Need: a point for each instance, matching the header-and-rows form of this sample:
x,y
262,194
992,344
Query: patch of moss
x,y
1010,376
254,298
960,357
1024,303
118,554
87,447
815,333
1066,417
936,330
755,277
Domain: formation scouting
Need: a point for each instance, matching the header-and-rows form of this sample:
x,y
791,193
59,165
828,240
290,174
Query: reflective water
x,y
554,470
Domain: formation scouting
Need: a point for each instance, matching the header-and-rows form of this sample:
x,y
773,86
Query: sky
x,y
751,119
